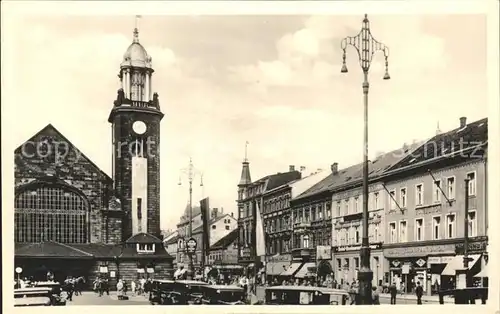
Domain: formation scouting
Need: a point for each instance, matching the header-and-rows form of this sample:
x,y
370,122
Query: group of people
x,y
137,287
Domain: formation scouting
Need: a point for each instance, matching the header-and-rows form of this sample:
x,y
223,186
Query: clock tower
x,y
135,124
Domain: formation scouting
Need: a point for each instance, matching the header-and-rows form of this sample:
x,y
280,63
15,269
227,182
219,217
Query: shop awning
x,y
483,273
308,270
458,263
276,268
291,270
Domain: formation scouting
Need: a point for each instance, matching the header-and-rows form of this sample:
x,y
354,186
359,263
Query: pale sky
x,y
272,80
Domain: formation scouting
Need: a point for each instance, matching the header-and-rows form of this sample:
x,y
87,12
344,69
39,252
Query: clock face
x,y
139,127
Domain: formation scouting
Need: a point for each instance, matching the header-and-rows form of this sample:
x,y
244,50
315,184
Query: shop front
x,y
418,264
275,265
324,263
347,263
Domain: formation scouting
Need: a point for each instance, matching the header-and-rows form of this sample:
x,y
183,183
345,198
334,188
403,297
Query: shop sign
x,y
405,269
323,252
434,260
476,247
396,263
191,245
417,250
280,258
420,262
355,248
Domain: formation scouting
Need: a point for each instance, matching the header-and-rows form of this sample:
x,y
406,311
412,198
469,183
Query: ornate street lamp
x,y
190,172
366,46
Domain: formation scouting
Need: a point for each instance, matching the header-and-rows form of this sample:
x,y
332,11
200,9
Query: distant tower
x,y
438,130
135,120
245,171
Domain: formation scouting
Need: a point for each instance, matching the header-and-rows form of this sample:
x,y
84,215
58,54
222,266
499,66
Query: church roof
x,y
50,131
143,238
50,249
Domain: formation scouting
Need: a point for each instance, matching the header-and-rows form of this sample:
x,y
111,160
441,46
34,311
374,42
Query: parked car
x,y
223,295
191,289
297,295
465,296
33,296
160,291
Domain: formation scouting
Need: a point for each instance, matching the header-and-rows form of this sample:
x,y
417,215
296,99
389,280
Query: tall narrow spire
x,y
438,130
245,170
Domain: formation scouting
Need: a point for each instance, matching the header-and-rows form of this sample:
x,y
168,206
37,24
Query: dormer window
x,y
145,248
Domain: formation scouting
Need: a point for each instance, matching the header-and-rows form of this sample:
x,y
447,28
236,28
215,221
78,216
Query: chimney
x,y
232,214
292,168
463,122
335,168
302,168
215,212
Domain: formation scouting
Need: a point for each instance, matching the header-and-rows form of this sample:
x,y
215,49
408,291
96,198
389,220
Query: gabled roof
x,y
99,250
212,221
473,135
172,240
48,129
354,174
50,249
143,238
225,241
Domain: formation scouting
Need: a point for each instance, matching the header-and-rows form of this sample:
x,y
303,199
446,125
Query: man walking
x,y
393,290
419,291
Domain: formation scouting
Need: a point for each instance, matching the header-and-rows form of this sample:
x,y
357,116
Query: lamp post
x,y
190,172
366,46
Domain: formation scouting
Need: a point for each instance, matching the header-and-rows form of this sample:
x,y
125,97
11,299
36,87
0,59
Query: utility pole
x,y
190,172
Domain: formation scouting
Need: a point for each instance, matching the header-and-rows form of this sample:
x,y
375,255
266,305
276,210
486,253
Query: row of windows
x,y
445,186
313,213
275,246
277,224
398,232
344,264
352,235
311,240
276,204
354,205
227,227
250,191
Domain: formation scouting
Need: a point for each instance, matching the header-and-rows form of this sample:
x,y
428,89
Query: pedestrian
x,y
419,291
393,290
375,296
119,289
132,287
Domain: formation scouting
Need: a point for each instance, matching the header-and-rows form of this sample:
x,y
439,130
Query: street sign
x,y
18,270
191,246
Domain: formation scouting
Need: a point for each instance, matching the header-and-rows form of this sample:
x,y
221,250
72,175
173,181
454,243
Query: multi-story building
x,y
250,195
347,221
277,220
170,242
220,224
426,214
223,256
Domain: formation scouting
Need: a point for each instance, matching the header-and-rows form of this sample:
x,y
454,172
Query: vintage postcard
x,y
335,154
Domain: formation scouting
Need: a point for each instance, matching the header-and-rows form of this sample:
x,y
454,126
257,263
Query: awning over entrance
x,y
483,273
458,263
291,270
308,270
276,268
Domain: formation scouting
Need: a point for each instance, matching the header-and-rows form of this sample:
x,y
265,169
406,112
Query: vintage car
x,y
465,296
33,296
58,297
291,295
223,295
160,291
191,289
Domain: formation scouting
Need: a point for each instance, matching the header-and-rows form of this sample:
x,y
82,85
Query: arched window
x,y
51,213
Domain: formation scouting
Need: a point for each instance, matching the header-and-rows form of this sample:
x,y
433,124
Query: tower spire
x,y
245,170
136,29
438,130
